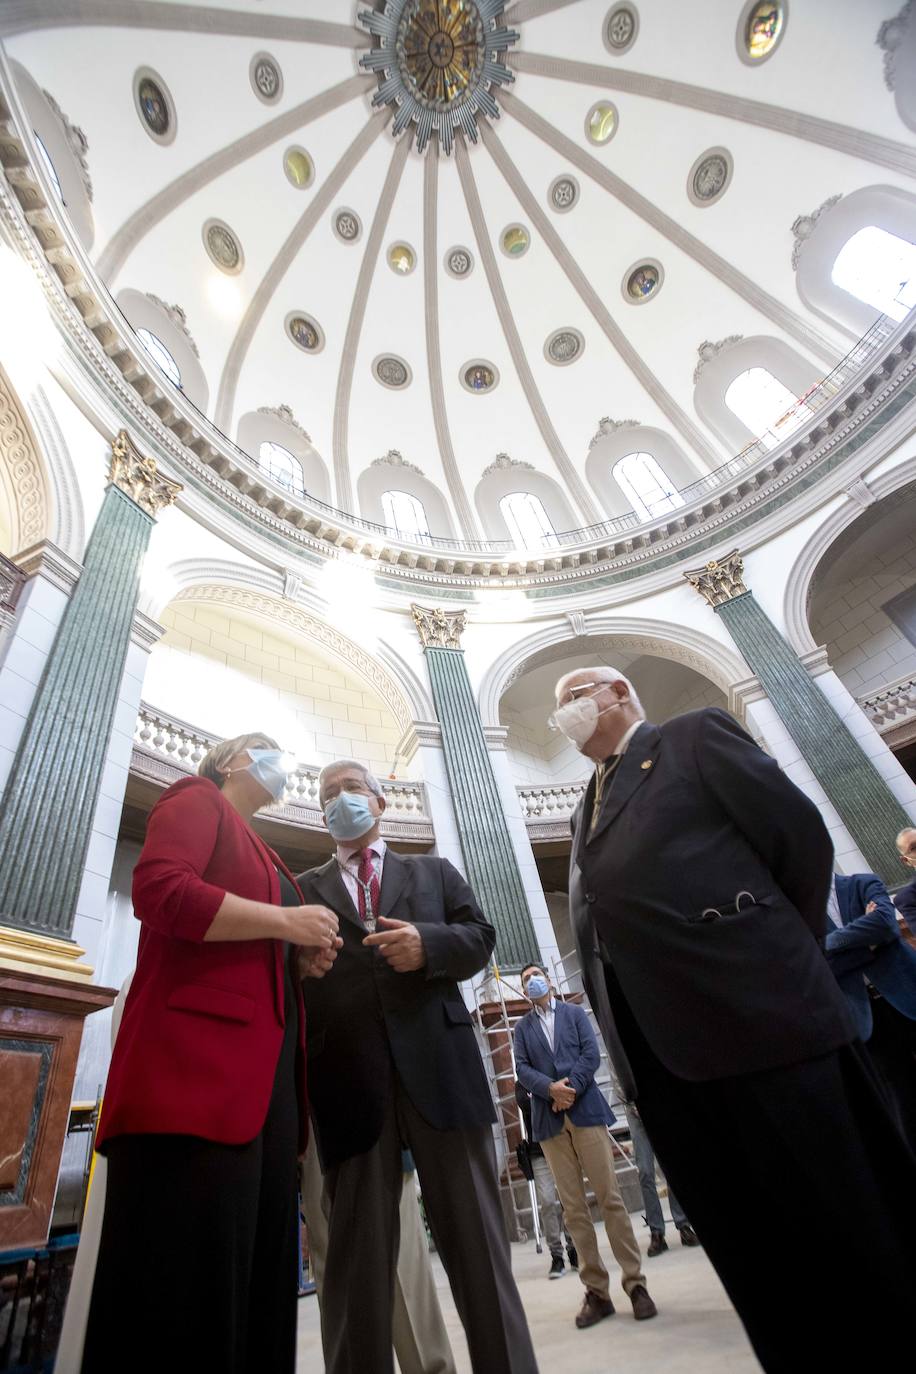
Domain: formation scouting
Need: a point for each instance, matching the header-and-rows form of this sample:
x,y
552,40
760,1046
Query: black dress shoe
x,y
557,1267
688,1235
657,1244
573,1257
643,1306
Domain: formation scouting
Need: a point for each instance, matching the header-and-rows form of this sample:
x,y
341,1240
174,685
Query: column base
x,y
24,951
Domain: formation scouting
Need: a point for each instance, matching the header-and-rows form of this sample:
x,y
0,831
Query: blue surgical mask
x,y
348,816
270,767
537,987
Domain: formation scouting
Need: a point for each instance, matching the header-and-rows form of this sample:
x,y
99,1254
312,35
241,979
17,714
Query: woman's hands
x,y
314,930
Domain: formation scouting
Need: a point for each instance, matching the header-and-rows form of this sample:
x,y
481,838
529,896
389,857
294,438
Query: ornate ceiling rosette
x,y
438,62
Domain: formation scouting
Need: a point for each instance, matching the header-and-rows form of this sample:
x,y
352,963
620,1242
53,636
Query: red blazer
x,y
203,1023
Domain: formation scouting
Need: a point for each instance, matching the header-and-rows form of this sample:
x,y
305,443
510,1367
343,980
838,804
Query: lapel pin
x,y
646,763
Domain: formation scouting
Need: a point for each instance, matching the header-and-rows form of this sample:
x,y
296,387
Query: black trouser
x,y
803,1193
197,1259
892,1048
458,1180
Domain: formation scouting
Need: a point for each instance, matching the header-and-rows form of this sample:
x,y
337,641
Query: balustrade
x,y
894,705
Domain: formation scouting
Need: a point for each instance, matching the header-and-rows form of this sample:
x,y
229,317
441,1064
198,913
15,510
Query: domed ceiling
x,y
456,229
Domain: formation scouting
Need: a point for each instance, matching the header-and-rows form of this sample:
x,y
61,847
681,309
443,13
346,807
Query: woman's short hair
x,y
221,755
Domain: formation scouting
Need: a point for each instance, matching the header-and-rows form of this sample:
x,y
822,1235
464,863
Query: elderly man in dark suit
x,y
698,891
393,1061
905,898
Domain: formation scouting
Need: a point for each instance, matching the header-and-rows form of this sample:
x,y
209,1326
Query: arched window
x,y
282,466
645,486
527,519
404,513
878,268
767,407
48,165
160,355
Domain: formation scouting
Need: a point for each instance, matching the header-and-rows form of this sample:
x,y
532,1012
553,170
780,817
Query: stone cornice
x,y
210,465
145,631
52,563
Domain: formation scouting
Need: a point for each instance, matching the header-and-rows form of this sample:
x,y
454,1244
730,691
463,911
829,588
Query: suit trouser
x,y
418,1331
458,1178
548,1205
812,1151
585,1151
645,1164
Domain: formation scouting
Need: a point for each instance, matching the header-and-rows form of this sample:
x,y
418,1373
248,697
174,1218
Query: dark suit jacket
x,y
696,814
203,1022
870,944
363,1017
905,902
575,1055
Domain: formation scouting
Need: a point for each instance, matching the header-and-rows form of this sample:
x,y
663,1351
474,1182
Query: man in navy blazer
x,y
557,1057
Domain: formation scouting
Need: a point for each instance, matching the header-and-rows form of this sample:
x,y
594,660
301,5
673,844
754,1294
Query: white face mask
x,y
578,720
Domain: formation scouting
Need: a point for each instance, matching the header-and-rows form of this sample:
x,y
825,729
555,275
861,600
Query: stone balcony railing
x,y
894,706
547,808
166,749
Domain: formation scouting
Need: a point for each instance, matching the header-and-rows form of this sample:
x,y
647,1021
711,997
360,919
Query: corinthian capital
x,y
439,629
720,580
139,478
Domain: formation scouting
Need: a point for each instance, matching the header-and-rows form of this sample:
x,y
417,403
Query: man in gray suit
x,y
393,1061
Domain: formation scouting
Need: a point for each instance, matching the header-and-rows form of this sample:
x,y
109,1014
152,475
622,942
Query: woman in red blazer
x,y
205,1108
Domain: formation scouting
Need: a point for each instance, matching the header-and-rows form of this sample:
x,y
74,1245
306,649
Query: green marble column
x,y
868,809
486,845
48,806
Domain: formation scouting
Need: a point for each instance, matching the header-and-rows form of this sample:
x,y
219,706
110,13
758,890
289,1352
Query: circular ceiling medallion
x,y
710,176
601,122
154,105
563,193
479,376
401,259
223,248
392,371
760,30
305,331
642,281
564,346
266,78
299,167
437,64
515,241
459,261
621,25
347,224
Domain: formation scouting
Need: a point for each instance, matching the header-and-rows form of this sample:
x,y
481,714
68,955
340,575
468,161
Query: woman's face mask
x,y
271,768
578,719
349,815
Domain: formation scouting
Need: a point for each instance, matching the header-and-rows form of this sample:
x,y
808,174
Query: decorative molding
x,y
574,484
21,472
292,586
502,463
885,152
177,317
139,477
594,302
721,580
576,623
608,426
438,629
860,492
803,225
285,414
77,141
709,350
395,459
497,737
890,36
21,16
51,563
296,618
145,631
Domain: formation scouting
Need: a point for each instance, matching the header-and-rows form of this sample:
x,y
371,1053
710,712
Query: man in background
x,y
905,900
550,1209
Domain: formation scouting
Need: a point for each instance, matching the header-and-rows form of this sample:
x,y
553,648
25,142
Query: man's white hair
x,y
346,765
907,830
600,674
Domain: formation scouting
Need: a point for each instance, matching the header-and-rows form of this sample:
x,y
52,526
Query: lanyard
x,y
366,888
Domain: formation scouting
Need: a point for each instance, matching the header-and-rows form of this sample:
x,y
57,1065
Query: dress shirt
x,y
545,1016
606,769
348,863
833,908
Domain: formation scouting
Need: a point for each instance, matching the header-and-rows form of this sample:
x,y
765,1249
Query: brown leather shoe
x,y
595,1308
643,1306
689,1236
657,1244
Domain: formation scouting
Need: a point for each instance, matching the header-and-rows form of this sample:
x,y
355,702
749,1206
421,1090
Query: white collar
x,y
624,740
347,852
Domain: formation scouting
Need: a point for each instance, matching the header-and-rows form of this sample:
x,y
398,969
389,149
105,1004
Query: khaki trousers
x,y
581,1152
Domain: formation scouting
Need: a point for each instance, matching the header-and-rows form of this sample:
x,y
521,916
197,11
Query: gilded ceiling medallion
x,y
438,62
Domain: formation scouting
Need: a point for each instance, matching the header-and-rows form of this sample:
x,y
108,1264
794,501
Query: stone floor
x,y
696,1331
